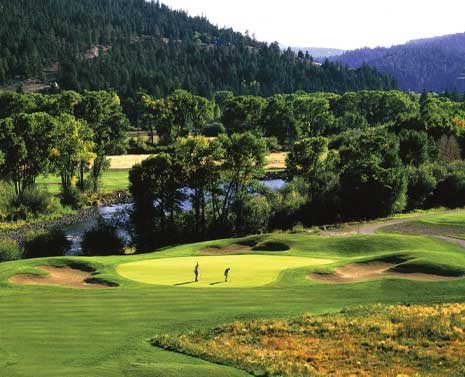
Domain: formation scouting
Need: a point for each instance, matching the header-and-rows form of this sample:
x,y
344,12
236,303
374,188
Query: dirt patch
x,y
63,276
358,272
231,249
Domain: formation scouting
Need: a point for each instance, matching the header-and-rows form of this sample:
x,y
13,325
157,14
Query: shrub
x,y
272,144
72,197
254,215
9,250
46,244
103,239
213,129
33,201
7,195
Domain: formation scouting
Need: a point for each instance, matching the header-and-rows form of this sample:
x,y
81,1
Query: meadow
x,y
60,331
112,180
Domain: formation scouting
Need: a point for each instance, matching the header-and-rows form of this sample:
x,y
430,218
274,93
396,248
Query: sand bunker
x,y
63,276
359,272
231,249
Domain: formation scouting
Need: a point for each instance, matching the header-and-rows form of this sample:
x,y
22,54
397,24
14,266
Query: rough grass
x,y
55,331
372,341
449,225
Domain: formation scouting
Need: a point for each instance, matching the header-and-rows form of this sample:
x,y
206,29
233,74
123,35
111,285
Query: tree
x,y
310,159
278,120
413,147
449,149
243,162
242,114
102,112
156,187
372,181
26,142
178,115
313,116
73,145
199,159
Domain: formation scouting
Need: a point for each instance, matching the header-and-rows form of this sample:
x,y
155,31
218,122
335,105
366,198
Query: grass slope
x,y
55,331
450,225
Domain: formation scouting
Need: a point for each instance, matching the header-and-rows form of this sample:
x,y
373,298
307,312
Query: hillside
x,y
135,45
435,64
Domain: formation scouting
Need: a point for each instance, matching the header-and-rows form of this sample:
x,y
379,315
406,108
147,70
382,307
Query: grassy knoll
x,y
450,224
57,331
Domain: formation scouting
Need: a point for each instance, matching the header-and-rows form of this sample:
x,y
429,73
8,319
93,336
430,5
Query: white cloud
x,y
333,23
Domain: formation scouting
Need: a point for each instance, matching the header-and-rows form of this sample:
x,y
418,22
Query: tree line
x,y
355,156
394,152
66,134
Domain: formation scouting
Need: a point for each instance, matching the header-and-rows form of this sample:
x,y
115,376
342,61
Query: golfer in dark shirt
x,y
226,274
196,272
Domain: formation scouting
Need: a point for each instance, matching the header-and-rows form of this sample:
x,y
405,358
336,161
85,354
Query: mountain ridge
x,y
434,64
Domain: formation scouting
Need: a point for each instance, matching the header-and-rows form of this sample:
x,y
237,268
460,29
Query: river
x,y
76,231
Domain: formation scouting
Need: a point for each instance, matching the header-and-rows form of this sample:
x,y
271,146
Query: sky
x,y
345,24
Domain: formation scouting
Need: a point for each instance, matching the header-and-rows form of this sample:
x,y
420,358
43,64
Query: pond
x,y
75,232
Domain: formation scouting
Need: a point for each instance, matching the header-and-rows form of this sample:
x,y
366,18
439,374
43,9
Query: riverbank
x,y
18,231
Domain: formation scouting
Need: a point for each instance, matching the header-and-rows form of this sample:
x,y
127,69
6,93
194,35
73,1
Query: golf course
x,y
57,329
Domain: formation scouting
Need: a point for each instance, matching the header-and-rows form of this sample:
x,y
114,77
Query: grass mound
x,y
66,276
424,267
271,246
391,341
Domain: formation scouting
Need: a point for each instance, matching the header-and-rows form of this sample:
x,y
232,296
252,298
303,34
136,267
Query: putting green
x,y
246,270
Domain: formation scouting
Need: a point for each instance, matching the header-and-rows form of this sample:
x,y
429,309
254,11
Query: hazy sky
x,y
343,24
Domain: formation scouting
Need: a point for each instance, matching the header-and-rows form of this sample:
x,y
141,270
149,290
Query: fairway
x,y
246,270
58,331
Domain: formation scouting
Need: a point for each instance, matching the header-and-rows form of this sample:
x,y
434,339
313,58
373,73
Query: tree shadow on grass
x,y
186,283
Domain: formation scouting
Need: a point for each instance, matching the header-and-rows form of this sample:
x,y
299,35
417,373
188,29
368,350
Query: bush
x,y
73,197
33,201
7,195
254,215
272,144
140,147
52,243
103,239
9,250
213,129
450,192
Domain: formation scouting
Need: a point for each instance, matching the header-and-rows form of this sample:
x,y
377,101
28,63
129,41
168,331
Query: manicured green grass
x,y
57,331
112,180
246,270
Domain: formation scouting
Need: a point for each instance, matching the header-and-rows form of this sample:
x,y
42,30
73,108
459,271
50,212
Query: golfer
x,y
196,272
226,274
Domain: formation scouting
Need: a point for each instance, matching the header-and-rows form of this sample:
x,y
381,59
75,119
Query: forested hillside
x,y
433,64
135,45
